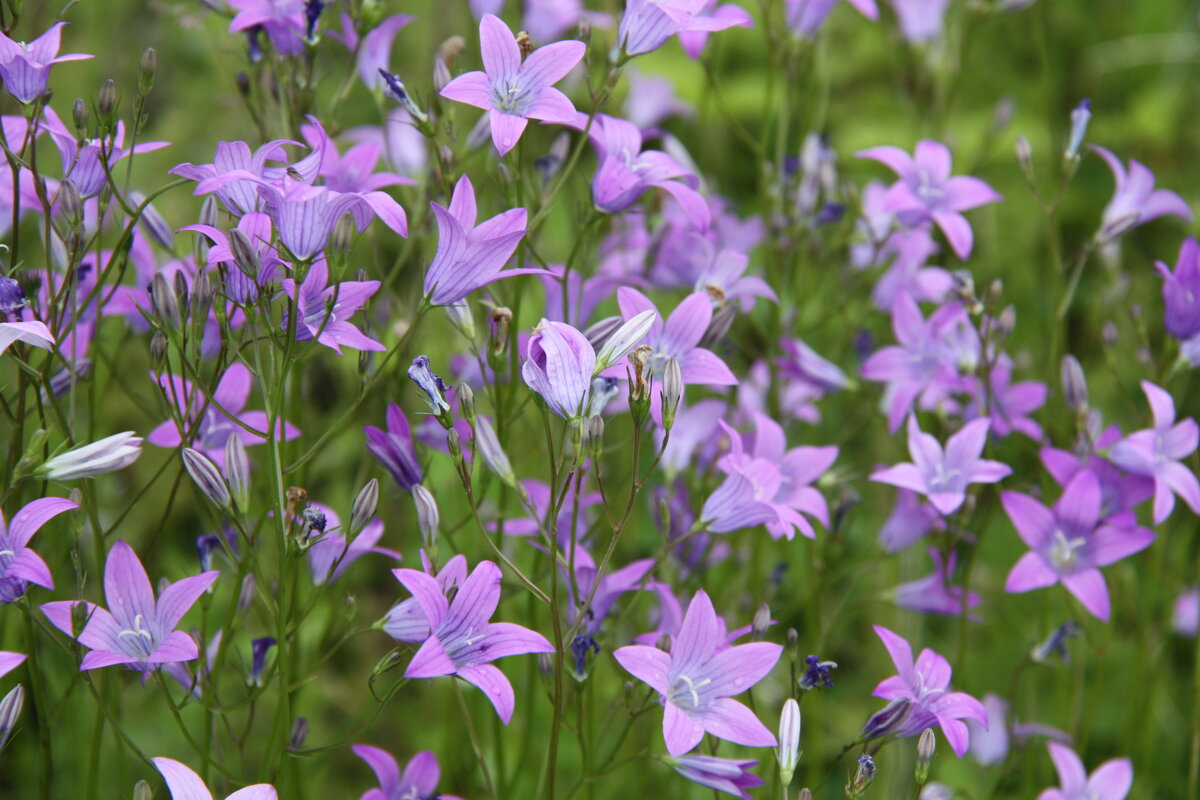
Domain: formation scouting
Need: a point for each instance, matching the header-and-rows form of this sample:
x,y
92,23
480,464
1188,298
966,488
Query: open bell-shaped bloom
x,y
463,640
1112,780
1135,200
559,366
137,630
943,476
184,784
406,621
324,309
646,25
240,196
514,92
697,679
1157,452
418,781
20,566
726,775
25,68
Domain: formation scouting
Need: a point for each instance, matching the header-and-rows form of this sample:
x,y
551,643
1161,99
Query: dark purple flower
x,y
1181,292
394,449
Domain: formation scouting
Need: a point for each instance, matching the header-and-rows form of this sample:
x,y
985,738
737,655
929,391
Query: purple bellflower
x,y
1069,543
375,49
329,557
1012,403
910,520
463,640
471,256
990,746
1111,780
137,630
283,20
943,476
513,92
1157,452
417,782
240,196
927,192
25,68
726,775
806,17
1135,201
394,448
1181,292
694,39
20,566
559,365
920,20
626,171
933,594
88,164
184,784
925,683
1119,492
698,678
611,585
32,333
646,25
324,309
734,505
406,621
353,171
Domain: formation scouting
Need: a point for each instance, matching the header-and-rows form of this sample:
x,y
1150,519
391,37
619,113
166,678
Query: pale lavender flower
x,y
652,99
139,631
20,566
283,20
805,17
546,20
471,256
353,171
241,196
920,20
1157,452
25,68
330,556
98,458
406,621
927,192
1070,543
911,519
1119,493
1109,781
647,24
559,365
933,594
1185,615
990,745
608,588
693,39
1011,403
725,281
1135,201
726,775
925,683
32,333
184,784
463,641
324,309
375,49
1181,292
418,781
626,171
513,92
697,679
735,505
943,476
394,448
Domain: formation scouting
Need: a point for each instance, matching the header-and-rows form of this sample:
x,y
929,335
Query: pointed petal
x,y
33,516
182,783
471,88
1029,573
428,593
730,720
680,731
1089,588
492,682
382,763
177,598
648,664
126,586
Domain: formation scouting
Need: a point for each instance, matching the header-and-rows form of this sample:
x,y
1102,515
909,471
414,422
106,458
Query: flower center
x,y
510,96
138,640
685,692
943,479
1063,552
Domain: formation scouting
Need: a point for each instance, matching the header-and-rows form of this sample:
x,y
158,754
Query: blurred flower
x,y
513,92
1157,452
933,594
1135,200
32,333
25,68
1109,781
184,784
418,781
726,775
107,455
283,20
805,17
330,555
139,631
1181,292
920,20
697,678
647,24
10,661
693,39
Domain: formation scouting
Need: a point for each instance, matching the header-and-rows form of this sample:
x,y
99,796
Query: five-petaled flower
x,y
1111,780
324,309
417,782
25,68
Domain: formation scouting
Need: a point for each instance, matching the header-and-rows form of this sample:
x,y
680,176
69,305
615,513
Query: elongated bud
x,y
142,791
499,320
926,747
207,477
441,74
165,302
202,297
158,346
427,516
106,103
1024,152
493,454
761,622
299,733
672,390
1074,384
434,389
722,321
246,594
10,709
460,314
146,70
181,293
887,720
1080,117
599,332
789,740
79,115
258,659
70,204
624,339
863,775
237,472
394,88
805,794
466,403
244,254
207,545
364,506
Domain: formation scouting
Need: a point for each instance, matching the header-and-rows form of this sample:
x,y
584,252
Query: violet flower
x,y
330,556
513,92
471,256
417,782
726,775
694,39
283,20
559,365
626,171
184,784
1181,292
406,621
920,20
735,505
925,684
608,588
1012,403
1069,543
805,17
911,519
646,25
990,745
89,164
394,448
33,333
1157,452
697,679
25,68
463,641
241,196
1111,780
927,192
1135,200
139,631
324,309
375,50
943,476
933,594
20,566
1119,492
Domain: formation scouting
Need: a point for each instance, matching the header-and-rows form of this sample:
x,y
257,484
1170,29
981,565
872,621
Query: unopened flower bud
x,y
1109,335
599,332
672,391
625,338
364,506
70,204
242,81
805,794
98,458
202,297
207,546
1074,385
427,516
1024,152
182,293
1080,116
158,346
793,637
165,302
299,733
441,74
493,454
10,709
545,665
207,477
79,115
244,254
258,659
142,791
246,594
722,321
788,752
761,622
237,472
862,777
936,791
466,402
887,720
106,103
664,643
926,747
146,69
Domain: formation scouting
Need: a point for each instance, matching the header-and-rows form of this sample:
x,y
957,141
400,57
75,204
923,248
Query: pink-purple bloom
x,y
933,594
20,566
699,676
927,192
1181,292
943,475
1135,200
463,641
926,683
1111,780
559,365
283,20
406,621
10,661
418,781
324,310
726,775
25,68
514,92
1157,452
806,17
331,555
137,630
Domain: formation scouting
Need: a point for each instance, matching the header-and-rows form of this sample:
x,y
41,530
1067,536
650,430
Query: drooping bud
x,y
10,709
887,720
237,472
926,747
433,387
427,516
299,733
207,477
364,506
863,775
788,752
672,391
